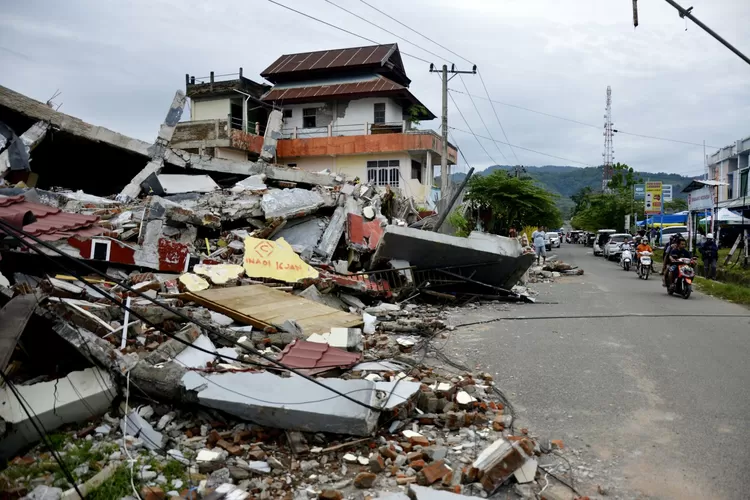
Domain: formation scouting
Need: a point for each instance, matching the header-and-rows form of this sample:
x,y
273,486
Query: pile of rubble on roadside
x,y
551,269
262,333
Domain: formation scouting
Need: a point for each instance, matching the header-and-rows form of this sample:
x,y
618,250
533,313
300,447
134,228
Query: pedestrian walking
x,y
710,254
654,233
538,238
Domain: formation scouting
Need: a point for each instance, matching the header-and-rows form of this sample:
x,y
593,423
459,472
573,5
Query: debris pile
x,y
240,330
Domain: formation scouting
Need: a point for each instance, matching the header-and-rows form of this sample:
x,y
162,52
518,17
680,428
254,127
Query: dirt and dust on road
x,y
648,392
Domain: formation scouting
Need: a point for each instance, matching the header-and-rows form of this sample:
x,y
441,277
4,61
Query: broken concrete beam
x,y
174,212
271,136
498,260
332,235
312,293
29,139
500,460
70,399
157,151
184,183
290,203
292,403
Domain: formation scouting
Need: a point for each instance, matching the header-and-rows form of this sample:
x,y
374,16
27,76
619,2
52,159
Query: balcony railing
x,y
348,129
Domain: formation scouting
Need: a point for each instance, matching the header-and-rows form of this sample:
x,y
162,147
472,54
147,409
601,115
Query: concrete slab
x,y
292,403
183,183
69,399
288,203
303,234
501,261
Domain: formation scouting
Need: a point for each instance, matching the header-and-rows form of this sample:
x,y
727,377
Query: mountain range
x,y
565,181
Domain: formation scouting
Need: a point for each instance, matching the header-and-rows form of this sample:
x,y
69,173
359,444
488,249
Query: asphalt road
x,y
659,407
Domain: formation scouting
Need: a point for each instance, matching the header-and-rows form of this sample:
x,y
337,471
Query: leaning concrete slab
x,y
30,139
272,136
498,260
72,398
13,319
158,149
292,403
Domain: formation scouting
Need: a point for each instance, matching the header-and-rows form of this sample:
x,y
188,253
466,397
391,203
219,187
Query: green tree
x,y
676,205
607,210
505,201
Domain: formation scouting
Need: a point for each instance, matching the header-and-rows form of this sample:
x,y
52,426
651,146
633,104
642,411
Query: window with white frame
x,y
100,249
384,172
308,118
379,112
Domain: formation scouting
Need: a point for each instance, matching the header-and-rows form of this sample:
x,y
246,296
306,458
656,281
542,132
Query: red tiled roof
x,y
330,59
317,356
51,223
379,84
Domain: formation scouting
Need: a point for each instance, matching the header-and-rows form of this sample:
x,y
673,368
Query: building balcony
x,y
333,140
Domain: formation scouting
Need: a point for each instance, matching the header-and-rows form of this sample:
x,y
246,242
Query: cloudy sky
x,y
118,64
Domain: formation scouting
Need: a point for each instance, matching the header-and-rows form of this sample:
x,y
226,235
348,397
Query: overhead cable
x,y
387,31
417,32
496,115
342,29
15,232
598,127
460,77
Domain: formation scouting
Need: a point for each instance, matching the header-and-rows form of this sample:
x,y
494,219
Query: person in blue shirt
x,y
710,254
538,238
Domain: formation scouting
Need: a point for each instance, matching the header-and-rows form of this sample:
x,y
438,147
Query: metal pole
x,y
686,13
444,157
449,204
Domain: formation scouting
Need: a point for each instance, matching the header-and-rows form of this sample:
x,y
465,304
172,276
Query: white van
x,y
602,236
667,233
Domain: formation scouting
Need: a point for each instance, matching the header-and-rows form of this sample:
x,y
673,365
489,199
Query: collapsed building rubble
x,y
246,329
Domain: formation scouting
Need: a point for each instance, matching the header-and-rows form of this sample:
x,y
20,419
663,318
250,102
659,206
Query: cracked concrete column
x,y
30,139
272,136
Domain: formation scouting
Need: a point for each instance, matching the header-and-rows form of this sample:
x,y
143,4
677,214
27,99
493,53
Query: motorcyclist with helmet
x,y
679,252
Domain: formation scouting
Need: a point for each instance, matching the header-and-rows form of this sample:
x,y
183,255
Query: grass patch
x,y
727,291
117,486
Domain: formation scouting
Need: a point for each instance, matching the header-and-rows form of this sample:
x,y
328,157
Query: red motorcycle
x,y
682,279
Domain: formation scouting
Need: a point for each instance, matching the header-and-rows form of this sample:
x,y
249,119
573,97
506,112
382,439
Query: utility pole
x,y
688,13
444,174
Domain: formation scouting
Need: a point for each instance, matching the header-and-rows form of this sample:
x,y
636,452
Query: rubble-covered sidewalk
x,y
218,329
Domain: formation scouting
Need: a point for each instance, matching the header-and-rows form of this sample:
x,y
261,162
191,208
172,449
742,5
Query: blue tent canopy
x,y
665,219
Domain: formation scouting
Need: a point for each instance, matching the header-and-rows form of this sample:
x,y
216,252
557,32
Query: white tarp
x,y
726,216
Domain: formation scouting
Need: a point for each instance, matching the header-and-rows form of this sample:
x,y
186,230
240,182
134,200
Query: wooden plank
x,y
261,305
13,319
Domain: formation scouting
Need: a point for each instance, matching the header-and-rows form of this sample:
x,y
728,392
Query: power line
x,y
480,117
342,29
417,32
14,232
525,149
42,435
387,31
472,132
598,127
496,116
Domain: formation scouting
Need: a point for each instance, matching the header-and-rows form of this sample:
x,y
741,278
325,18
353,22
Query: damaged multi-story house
x,y
346,110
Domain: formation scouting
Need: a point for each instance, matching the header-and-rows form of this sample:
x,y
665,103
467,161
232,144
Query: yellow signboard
x,y
653,198
275,259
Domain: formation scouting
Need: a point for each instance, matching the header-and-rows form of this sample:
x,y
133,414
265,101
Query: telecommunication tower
x,y
609,152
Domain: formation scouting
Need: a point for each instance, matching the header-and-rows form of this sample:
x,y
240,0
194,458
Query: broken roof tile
x,y
312,355
51,222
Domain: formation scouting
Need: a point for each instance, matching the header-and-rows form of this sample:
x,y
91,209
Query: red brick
x,y
153,493
213,438
330,495
377,464
232,449
417,464
557,443
432,473
364,480
419,441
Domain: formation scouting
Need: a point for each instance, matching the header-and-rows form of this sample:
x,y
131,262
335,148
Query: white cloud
x,y
118,65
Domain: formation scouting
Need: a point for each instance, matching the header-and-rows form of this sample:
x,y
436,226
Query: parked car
x,y
551,240
602,236
612,249
667,233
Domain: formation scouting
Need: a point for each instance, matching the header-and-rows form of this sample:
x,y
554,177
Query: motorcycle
x,y
682,283
626,257
644,265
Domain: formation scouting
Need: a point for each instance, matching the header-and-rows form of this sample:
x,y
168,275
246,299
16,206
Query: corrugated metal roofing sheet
x,y
312,355
51,223
330,59
378,84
